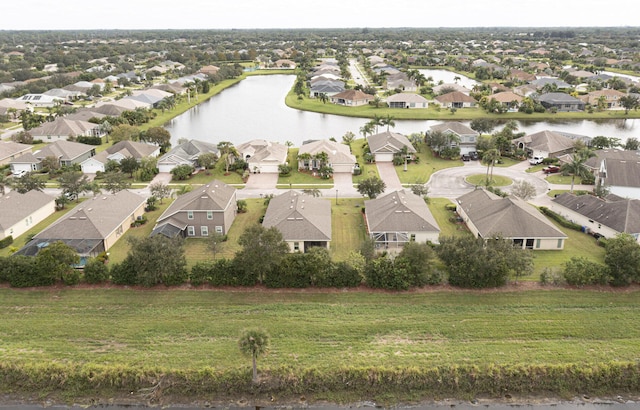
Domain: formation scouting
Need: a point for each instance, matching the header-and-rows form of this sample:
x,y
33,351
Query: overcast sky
x,y
224,14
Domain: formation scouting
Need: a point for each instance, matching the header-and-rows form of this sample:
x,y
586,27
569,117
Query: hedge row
x,y
451,381
559,219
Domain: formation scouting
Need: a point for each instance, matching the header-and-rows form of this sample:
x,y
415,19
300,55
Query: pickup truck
x,y
551,169
536,160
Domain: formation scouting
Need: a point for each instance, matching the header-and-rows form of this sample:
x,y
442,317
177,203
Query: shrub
x,y
6,242
123,273
340,275
559,219
22,272
201,273
579,271
89,140
551,277
95,271
71,277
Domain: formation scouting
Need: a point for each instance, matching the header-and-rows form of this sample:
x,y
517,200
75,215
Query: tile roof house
x,y
468,136
545,143
455,99
303,220
399,217
385,145
263,156
610,98
352,98
407,100
21,212
339,155
607,217
561,102
117,152
488,215
93,226
67,153
62,128
186,153
10,150
507,98
199,213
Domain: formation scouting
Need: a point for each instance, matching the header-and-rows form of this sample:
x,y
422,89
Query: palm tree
x,y
576,167
323,97
305,157
366,129
376,122
254,343
490,157
229,151
388,121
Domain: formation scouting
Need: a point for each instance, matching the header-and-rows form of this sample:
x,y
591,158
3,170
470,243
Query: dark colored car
x,y
551,169
465,157
473,155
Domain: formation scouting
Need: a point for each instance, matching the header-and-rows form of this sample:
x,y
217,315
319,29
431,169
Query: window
x,y
209,214
559,243
119,230
413,237
204,231
218,229
189,214
191,231
538,243
296,246
529,244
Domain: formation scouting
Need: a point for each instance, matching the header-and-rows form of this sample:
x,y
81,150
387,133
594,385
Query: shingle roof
x,y
510,217
622,173
354,95
338,153
63,127
299,217
10,148
455,127
64,150
391,141
189,151
622,215
455,96
15,206
95,218
215,196
547,141
400,210
406,97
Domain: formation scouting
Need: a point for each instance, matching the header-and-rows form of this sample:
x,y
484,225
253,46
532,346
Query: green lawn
x,y
183,329
443,217
427,164
562,179
348,229
298,178
496,180
368,169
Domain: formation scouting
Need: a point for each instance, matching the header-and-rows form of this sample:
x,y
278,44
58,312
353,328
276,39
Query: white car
x,y
19,173
536,160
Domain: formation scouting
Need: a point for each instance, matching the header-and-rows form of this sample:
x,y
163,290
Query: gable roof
x,y
63,127
15,206
455,96
189,151
621,172
263,150
399,210
559,98
389,142
547,141
215,196
338,153
511,216
622,215
407,97
10,149
454,127
95,218
506,97
354,95
64,150
299,217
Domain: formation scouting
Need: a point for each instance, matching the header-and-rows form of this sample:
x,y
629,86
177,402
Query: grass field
x,y
496,180
182,329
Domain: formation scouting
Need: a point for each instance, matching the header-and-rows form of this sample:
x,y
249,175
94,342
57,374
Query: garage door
x,y
92,167
384,157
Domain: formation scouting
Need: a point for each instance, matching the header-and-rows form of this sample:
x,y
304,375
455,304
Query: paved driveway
x,y
262,181
388,174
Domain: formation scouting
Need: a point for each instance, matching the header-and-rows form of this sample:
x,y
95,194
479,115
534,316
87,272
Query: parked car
x,y
473,155
465,157
19,173
551,169
536,160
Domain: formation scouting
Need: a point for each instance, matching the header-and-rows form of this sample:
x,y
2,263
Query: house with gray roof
x,y
10,150
93,226
468,137
488,215
548,144
303,220
66,152
399,217
385,145
621,176
561,102
199,213
352,98
186,153
607,217
117,152
339,156
21,212
329,88
62,128
407,100
552,82
455,99
263,156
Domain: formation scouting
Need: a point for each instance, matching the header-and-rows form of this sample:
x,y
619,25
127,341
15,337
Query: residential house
x,y
263,156
40,100
186,153
339,156
352,98
407,100
449,87
62,128
21,212
199,213
303,220
285,64
209,70
399,217
609,98
10,150
549,82
117,152
151,96
66,152
548,144
509,99
618,171
12,108
607,217
488,215
561,102
93,226
455,99
385,145
467,137
329,88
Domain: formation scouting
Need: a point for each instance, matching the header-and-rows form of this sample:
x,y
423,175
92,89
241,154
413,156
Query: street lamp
x,y
336,197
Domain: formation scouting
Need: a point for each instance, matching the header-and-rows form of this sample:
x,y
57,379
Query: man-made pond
x,y
255,108
448,77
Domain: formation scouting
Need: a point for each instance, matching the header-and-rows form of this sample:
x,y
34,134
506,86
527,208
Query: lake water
x,y
255,108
